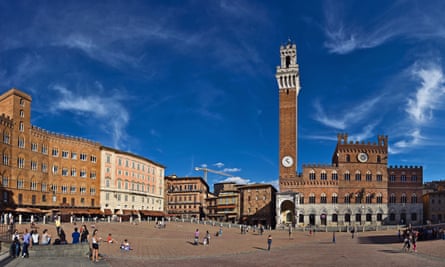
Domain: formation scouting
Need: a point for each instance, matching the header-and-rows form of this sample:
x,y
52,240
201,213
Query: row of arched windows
x,y
346,176
368,198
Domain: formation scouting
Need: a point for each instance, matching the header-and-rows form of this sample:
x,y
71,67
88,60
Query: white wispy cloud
x,y
235,179
342,119
412,140
219,164
401,19
421,107
366,132
231,170
429,95
107,109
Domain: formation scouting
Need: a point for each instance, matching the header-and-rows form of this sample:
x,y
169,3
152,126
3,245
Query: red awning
x,y
28,210
152,213
130,212
108,212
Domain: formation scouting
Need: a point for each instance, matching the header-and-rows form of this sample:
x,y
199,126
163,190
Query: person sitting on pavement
x,y
46,237
76,236
110,239
62,236
126,245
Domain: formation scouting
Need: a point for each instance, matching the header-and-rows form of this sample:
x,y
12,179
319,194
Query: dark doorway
x,y
312,219
323,219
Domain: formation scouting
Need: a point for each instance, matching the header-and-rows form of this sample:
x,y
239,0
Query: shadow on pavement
x,y
392,251
382,239
259,248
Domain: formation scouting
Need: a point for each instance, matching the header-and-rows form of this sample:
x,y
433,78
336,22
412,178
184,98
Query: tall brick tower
x,y
288,79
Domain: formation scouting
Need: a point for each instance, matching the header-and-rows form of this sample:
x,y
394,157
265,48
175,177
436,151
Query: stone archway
x,y
287,212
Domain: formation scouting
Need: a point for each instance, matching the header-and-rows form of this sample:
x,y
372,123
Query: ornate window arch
x,y
311,198
334,198
323,199
312,175
414,198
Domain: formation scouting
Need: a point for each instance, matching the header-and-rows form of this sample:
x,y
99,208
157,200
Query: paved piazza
x,y
173,246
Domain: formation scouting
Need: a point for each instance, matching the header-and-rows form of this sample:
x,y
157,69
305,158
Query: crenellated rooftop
x,y
342,140
6,120
405,167
62,136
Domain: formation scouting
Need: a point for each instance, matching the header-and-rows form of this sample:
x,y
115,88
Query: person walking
x,y
196,241
15,247
290,231
208,237
26,243
269,242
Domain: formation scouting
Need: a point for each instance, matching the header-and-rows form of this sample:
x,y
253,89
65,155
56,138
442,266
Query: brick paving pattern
x,y
173,246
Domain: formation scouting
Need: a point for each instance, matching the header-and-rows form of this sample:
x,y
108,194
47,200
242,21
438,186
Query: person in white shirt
x,y
15,234
46,238
35,237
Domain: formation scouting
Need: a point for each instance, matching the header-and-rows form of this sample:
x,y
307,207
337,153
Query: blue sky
x,y
192,83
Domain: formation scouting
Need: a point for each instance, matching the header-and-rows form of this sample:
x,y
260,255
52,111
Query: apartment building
x,y
185,197
131,185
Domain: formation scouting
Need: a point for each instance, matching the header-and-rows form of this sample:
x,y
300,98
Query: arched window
x,y
392,198
334,198
358,176
347,198
347,176
379,198
323,175
403,198
368,198
379,177
334,176
323,198
368,176
413,198
6,137
348,158
311,198
312,175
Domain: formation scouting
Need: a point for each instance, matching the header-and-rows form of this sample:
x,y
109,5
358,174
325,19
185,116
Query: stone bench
x,y
68,250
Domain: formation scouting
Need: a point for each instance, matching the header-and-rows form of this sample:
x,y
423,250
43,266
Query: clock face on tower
x,y
362,157
287,161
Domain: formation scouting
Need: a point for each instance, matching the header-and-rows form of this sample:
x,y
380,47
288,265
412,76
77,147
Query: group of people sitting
x,y
21,243
125,245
